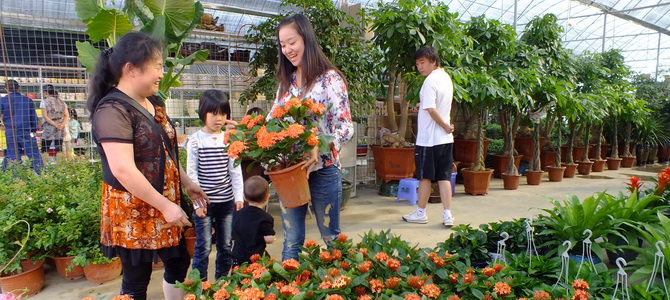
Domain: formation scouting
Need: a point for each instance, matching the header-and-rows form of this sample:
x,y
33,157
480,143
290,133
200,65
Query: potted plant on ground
x,y
15,279
400,28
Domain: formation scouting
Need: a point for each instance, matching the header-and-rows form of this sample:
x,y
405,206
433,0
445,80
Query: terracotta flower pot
x,y
101,273
476,182
30,279
603,150
556,173
584,167
190,237
392,163
510,182
465,151
525,146
627,161
570,170
62,263
613,163
292,185
547,158
577,153
29,264
534,177
500,164
598,165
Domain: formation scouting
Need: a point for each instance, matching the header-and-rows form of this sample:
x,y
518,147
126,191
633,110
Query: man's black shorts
x,y
434,163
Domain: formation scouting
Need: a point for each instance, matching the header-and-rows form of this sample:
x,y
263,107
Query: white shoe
x,y
449,221
415,218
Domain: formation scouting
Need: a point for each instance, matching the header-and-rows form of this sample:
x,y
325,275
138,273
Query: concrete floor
x,y
368,211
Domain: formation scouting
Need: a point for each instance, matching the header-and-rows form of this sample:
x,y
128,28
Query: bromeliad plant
x,y
281,141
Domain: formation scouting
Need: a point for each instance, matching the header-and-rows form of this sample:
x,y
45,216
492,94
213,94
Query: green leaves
x,y
88,55
108,24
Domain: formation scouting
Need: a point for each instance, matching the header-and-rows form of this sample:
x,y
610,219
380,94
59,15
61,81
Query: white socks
x,y
420,211
171,292
446,213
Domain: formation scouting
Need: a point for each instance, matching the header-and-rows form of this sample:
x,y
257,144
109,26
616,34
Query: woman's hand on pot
x,y
312,157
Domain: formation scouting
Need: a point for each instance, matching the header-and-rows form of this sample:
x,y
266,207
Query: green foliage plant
x,y
170,21
341,38
400,29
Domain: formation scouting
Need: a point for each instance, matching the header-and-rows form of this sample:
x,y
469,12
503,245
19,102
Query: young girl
x,y
305,72
70,134
209,166
141,217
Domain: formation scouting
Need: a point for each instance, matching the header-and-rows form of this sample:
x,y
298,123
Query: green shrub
x,y
494,131
496,146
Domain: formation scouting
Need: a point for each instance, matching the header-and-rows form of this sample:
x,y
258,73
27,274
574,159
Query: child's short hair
x,y
429,53
256,189
257,110
213,101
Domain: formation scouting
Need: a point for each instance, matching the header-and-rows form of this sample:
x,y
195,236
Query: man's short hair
x,y
256,189
429,53
12,85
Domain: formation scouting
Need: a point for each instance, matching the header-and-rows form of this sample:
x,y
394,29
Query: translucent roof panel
x,y
630,25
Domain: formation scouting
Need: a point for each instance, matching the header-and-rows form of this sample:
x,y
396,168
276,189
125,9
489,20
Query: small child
x,y
252,226
209,166
71,134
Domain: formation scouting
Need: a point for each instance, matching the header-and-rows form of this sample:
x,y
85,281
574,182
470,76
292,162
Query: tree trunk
x,y
404,107
515,129
390,100
599,143
587,133
559,136
626,140
511,168
479,160
505,126
548,126
615,139
536,151
571,141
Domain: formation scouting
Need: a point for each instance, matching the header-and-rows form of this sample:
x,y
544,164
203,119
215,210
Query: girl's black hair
x,y
73,113
49,88
136,48
314,61
213,101
257,110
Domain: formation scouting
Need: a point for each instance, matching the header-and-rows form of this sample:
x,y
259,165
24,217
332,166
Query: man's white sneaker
x,y
415,218
449,221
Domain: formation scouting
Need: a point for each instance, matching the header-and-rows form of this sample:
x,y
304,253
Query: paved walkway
x,y
368,211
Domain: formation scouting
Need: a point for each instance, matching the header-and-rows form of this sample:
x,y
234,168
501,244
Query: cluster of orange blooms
x,y
663,180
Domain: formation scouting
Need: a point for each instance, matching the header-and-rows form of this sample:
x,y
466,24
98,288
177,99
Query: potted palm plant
x,y
400,28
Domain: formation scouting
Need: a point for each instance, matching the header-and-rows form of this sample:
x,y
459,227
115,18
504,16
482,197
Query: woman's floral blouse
x,y
330,90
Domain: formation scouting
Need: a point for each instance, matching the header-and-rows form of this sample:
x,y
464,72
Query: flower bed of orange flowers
x,y
364,271
281,141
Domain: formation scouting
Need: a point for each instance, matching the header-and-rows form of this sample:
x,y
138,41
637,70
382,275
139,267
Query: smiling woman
x,y
141,172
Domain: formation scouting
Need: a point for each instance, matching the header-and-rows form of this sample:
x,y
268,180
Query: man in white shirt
x,y
433,154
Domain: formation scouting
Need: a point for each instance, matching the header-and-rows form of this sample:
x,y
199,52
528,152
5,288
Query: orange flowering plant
x,y
282,140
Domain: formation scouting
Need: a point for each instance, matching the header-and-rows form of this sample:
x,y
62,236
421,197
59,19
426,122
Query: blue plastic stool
x,y
408,189
453,183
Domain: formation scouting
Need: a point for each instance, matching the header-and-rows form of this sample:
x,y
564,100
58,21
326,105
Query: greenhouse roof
x,y
640,28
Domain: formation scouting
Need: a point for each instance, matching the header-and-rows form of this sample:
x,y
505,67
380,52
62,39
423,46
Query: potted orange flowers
x,y
279,145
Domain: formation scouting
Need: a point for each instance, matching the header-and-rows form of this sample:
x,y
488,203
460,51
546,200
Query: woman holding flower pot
x,y
305,72
141,218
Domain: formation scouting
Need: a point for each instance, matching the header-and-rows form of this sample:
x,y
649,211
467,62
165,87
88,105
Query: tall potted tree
x,y
543,33
401,28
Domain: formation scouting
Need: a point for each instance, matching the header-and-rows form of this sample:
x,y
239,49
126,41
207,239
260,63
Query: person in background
x,y
433,154
304,71
209,166
141,218
56,118
20,123
74,127
252,226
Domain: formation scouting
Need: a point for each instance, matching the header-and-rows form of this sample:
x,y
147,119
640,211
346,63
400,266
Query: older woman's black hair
x,y
49,88
136,48
213,101
314,61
